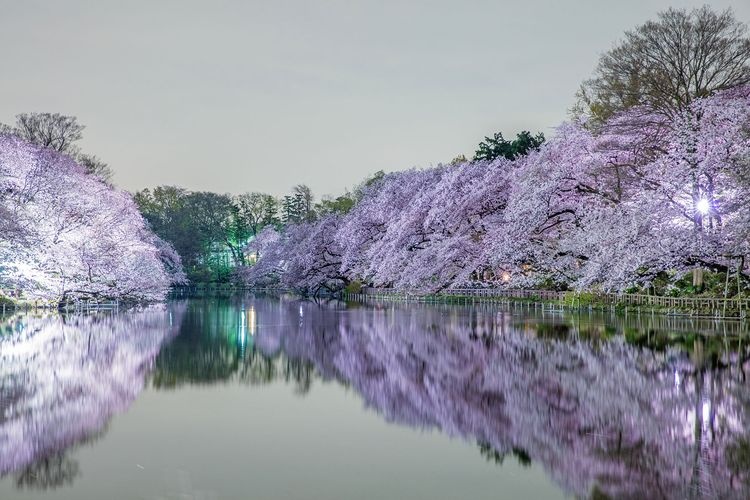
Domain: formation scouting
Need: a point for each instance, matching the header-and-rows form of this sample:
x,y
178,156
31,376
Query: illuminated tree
x,y
72,234
608,210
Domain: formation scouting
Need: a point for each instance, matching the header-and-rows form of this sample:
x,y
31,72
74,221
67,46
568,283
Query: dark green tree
x,y
215,218
339,205
256,211
305,201
165,209
497,146
206,229
289,210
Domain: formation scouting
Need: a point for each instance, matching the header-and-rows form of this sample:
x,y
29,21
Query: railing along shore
x,y
693,306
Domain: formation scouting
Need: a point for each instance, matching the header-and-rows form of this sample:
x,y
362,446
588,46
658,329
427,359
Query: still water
x,y
263,397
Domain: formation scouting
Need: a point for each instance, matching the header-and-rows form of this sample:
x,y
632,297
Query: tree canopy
x,y
589,210
667,63
59,133
69,235
499,147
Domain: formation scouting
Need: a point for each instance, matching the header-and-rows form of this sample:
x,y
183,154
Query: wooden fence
x,y
696,306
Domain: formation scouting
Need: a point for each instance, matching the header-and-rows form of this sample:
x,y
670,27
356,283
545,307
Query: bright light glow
x,y
242,336
703,206
706,412
251,322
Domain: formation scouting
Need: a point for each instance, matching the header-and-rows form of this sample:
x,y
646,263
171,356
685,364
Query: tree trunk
x,y
698,279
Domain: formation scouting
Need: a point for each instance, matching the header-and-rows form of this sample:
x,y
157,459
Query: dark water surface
x,y
268,397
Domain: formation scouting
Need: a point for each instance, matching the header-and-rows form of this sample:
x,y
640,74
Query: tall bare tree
x,y
49,130
96,167
667,63
60,133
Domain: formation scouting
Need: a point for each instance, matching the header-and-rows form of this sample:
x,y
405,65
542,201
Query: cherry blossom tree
x,y
607,209
72,234
363,232
304,257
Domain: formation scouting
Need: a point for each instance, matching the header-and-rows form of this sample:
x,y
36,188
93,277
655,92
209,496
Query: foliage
x,y
497,147
354,287
666,64
215,234
339,205
59,133
208,230
643,196
68,234
299,206
305,257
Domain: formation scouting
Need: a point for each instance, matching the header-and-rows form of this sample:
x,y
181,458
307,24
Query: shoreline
x,y
699,307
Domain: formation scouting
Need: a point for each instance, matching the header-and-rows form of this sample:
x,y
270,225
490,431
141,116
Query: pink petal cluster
x,y
603,209
67,234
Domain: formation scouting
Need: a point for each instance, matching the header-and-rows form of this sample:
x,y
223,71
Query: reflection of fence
x,y
92,305
79,306
696,306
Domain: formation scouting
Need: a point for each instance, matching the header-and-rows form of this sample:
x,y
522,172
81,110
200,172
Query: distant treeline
x,y
211,231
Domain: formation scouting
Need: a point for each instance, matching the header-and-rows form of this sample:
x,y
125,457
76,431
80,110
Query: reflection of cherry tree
x,y
598,414
49,472
632,418
63,378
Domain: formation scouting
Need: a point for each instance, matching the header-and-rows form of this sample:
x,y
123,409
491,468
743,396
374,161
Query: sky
x,y
262,95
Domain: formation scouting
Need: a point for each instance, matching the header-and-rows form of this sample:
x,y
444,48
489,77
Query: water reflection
x,y
217,344
62,378
622,407
610,407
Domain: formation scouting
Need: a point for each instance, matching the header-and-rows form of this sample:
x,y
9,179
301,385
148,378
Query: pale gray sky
x,y
259,96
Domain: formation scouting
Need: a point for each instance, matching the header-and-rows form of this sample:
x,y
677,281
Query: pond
x,y
276,397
